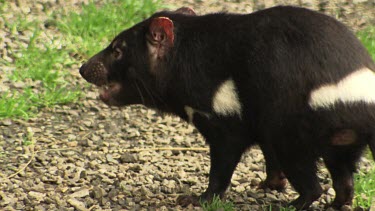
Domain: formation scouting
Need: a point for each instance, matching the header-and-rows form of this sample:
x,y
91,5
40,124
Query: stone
x,y
36,196
80,194
128,158
80,206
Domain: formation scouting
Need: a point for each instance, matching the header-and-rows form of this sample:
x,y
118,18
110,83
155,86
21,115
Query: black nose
x,y
81,69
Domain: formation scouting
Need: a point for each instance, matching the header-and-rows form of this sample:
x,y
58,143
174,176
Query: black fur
x,y
275,57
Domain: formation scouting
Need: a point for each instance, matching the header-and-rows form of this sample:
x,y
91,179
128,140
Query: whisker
x,y
148,92
153,95
140,93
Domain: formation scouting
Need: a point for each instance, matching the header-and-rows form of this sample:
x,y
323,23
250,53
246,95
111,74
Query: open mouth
x,y
107,91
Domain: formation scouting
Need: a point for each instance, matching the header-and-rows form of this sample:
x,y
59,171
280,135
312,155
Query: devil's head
x,y
130,69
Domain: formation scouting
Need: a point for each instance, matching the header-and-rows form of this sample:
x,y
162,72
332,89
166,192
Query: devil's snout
x,y
94,72
82,68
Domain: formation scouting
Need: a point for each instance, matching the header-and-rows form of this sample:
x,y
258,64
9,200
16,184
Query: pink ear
x,y
161,31
186,11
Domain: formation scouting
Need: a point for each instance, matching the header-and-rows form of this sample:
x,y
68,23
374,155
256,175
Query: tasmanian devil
x,y
294,81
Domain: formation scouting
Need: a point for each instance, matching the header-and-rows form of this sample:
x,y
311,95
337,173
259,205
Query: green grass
x,y
95,27
12,104
37,63
364,186
217,204
46,62
364,183
28,139
367,37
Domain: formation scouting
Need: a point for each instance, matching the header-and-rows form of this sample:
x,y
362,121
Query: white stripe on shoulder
x,y
226,101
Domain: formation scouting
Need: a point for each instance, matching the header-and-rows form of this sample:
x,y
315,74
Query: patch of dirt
x,y
87,156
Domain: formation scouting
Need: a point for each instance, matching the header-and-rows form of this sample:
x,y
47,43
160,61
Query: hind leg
x,y
296,152
301,174
341,163
276,179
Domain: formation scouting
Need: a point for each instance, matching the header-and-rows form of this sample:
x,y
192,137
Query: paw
x,y
341,205
304,201
300,204
278,184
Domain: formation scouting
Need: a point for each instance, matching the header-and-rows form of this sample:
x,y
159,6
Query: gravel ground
x,y
87,156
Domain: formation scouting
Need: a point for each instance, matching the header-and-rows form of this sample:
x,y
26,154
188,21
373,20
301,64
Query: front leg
x,y
224,159
227,141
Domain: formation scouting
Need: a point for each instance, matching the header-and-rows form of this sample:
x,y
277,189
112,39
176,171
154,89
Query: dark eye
x,y
117,53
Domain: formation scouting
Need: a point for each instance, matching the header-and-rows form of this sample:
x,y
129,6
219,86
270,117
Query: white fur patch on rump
x,y
357,86
225,101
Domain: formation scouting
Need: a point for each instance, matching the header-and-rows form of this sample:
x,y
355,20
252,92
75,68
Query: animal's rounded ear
x,y
186,11
161,31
